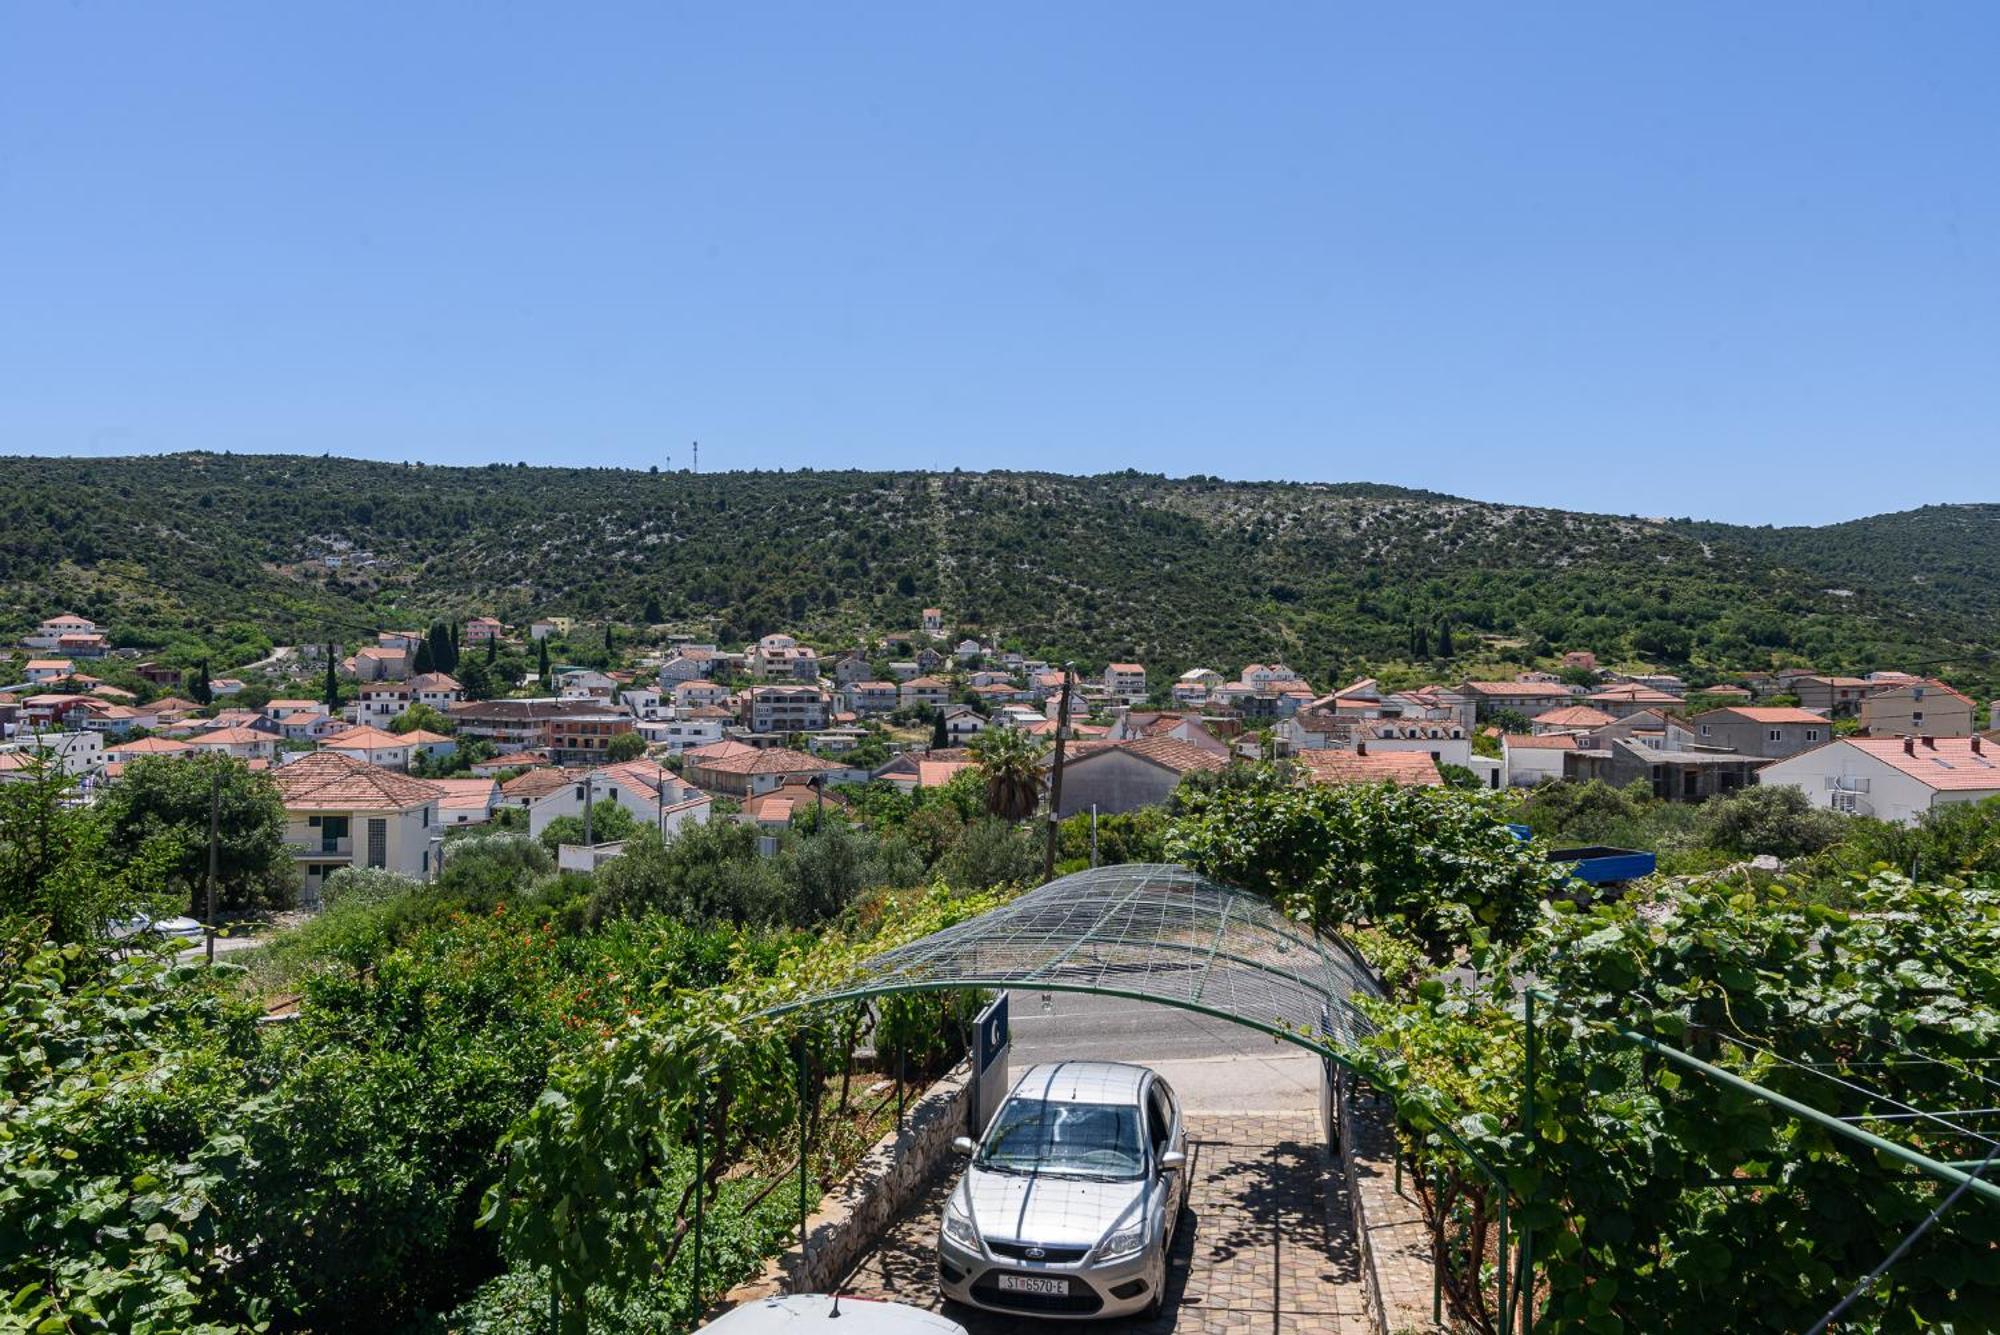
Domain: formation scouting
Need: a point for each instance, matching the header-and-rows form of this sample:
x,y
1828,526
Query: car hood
x,y
1064,1211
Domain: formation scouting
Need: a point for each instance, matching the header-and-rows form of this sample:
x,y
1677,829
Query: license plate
x,y
1053,1287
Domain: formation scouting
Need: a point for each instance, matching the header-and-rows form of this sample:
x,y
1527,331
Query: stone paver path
x,y
1265,1247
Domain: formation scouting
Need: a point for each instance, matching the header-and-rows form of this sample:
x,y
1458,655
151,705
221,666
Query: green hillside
x,y
180,552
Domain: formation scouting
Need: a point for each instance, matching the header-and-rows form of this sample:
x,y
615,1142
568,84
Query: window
x,y
1704,730
1775,735
378,842
1812,734
1916,716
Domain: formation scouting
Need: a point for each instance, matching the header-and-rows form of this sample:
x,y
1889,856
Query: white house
x,y
50,633
961,723
1125,681
466,801
654,796
1194,686
40,670
377,704
689,728
1533,760
439,690
1891,778
340,812
237,743
371,746
645,702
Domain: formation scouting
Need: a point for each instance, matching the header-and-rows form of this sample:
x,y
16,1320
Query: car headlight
x,y
958,1228
1126,1238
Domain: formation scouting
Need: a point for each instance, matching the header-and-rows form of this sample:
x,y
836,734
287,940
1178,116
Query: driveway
x,y
1266,1243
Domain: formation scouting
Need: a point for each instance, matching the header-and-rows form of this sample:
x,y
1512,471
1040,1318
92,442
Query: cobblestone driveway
x,y
1266,1246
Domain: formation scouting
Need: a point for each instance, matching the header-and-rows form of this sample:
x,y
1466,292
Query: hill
x,y
187,552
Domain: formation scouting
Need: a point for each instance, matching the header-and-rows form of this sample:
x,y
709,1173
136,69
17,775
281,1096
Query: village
x,y
378,753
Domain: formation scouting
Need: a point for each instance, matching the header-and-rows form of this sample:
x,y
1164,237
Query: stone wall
x,y
1389,1224
863,1204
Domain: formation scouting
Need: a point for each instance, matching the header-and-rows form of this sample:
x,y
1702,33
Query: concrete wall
x,y
1394,1240
862,1206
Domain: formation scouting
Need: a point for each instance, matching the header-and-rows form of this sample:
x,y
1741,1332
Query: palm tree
x,y
1011,760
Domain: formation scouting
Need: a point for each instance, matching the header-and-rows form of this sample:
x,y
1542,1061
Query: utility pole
x,y
1055,777
697,456
214,853
1093,834
586,809
660,799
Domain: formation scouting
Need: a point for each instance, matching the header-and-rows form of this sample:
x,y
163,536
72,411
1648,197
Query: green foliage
x,y
1666,1201
609,823
159,813
420,716
56,875
1174,572
625,746
1437,864
123,1101
599,1185
1010,762
1780,821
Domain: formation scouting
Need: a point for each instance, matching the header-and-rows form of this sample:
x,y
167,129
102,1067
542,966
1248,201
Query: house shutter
x,y
378,842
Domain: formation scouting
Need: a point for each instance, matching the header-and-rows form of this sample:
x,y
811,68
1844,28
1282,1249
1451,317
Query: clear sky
x,y
1730,260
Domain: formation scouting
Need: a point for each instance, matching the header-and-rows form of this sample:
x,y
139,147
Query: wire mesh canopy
x,y
1150,932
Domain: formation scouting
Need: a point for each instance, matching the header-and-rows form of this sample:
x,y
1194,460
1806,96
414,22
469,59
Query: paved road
x,y
1266,1244
1215,1066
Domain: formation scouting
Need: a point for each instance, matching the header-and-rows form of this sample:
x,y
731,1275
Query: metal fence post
x,y
699,1204
805,1166
899,1089
1524,1286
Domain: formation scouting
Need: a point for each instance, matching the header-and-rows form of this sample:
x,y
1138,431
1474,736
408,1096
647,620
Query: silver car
x,y
1069,1204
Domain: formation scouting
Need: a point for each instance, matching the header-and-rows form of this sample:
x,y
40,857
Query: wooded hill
x,y
198,552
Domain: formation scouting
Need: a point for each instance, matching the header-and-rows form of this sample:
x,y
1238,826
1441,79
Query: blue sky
x,y
1724,260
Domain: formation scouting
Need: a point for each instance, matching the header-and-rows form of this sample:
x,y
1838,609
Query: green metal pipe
x,y
1807,1113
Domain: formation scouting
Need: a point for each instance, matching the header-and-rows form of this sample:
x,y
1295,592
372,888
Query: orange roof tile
x,y
1945,763
1406,769
330,781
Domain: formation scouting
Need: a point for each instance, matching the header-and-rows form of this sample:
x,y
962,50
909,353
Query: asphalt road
x,y
1215,1066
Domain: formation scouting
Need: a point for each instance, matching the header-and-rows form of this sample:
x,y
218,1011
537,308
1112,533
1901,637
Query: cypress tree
x,y
940,738
332,682
203,693
1444,645
653,614
492,648
425,662
1420,642
543,667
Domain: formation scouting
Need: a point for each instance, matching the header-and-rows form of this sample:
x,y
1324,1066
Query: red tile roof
x,y
774,761
1770,714
150,746
1945,763
1575,716
1407,769
362,738
1542,688
329,781
1548,741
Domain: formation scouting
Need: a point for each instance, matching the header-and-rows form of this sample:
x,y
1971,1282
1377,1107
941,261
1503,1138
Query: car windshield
x,y
1065,1139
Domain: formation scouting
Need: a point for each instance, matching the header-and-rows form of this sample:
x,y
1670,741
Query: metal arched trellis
x,y
1149,932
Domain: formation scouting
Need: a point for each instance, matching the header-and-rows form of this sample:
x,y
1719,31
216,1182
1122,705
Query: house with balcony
x,y
783,709
1891,778
924,693
342,812
377,704
482,631
1194,686
873,697
49,634
1125,681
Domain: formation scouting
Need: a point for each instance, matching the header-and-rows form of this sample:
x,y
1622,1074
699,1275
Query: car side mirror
x,y
963,1144
1172,1161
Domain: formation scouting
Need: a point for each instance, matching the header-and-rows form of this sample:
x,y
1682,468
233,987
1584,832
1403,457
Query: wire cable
x,y
1909,1240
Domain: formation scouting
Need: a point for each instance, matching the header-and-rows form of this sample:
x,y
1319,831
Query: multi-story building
x,y
778,709
1125,681
342,812
1750,730
481,631
1917,709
